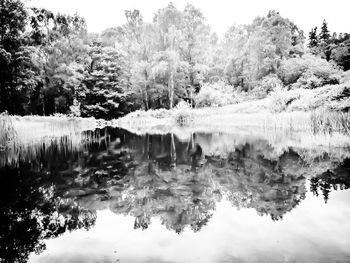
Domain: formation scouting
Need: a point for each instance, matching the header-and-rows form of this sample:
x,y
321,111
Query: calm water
x,y
120,197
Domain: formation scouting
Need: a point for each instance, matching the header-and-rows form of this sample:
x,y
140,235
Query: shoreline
x,y
283,131
250,115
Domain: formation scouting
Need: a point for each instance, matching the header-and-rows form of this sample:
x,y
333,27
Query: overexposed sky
x,y
220,14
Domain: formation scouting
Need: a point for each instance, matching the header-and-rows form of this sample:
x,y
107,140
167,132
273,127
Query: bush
x,y
268,84
281,98
306,100
345,77
214,95
74,110
330,97
308,72
183,114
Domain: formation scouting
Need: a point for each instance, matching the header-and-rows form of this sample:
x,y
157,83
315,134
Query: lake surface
x,y
114,196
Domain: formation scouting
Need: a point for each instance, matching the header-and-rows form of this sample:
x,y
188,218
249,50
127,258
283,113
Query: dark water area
x,y
161,198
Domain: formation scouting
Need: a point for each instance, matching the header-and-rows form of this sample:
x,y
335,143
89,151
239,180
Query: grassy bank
x,y
318,110
16,130
24,137
252,114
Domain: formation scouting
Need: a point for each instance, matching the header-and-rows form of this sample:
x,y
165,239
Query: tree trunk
x,y
43,101
146,98
171,89
173,151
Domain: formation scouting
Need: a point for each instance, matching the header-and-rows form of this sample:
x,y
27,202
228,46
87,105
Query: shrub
x,y
308,72
268,84
280,98
306,100
214,94
345,77
183,114
331,97
75,109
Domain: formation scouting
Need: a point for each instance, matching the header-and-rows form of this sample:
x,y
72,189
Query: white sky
x,y
220,14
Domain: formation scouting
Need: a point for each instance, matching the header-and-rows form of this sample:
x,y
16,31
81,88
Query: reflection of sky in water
x,y
311,232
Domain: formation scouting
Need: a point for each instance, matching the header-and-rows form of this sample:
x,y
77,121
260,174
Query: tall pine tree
x,y
325,37
313,39
324,34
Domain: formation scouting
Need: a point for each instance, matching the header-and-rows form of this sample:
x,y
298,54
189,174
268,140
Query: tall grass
x,y
8,133
326,122
23,138
32,150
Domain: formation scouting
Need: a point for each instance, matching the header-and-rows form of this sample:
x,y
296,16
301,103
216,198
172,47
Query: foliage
x,y
102,90
216,94
257,50
183,115
280,99
266,85
49,64
330,47
330,97
308,72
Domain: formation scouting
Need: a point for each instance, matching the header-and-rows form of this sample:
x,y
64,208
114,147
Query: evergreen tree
x,y
102,93
325,37
313,39
324,34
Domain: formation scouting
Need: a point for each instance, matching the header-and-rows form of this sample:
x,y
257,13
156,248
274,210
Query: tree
x,y
313,38
194,49
141,81
341,54
257,50
13,16
102,92
168,21
324,34
335,47
324,38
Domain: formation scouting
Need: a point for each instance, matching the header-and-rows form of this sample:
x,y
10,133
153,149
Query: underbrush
x,y
329,97
183,114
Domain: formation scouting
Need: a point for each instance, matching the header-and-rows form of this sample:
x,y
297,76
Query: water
x,y
187,197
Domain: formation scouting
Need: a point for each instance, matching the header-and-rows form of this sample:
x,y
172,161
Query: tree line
x,y
49,63
332,47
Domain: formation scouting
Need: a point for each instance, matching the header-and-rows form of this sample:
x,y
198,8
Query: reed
x,y
22,138
327,122
8,133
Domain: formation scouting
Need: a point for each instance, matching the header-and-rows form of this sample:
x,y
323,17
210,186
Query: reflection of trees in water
x,y
251,175
249,180
153,176
179,182
177,195
338,178
30,212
